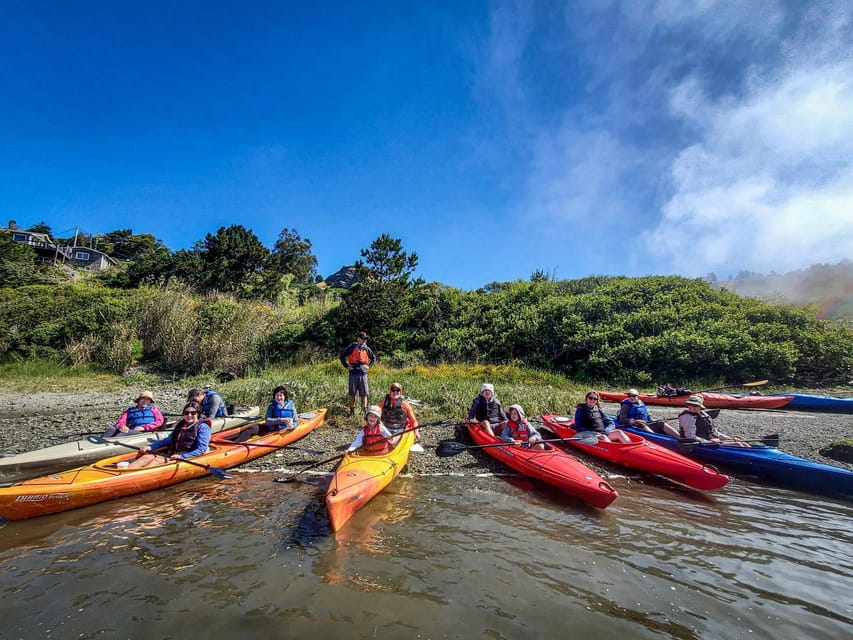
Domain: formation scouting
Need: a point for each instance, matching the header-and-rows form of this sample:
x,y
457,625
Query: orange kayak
x,y
359,478
709,399
102,480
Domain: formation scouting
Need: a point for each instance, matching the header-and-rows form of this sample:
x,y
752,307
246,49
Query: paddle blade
x,y
771,440
448,448
584,437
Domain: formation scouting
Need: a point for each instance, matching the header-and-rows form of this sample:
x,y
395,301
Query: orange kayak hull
x,y
709,399
102,480
358,479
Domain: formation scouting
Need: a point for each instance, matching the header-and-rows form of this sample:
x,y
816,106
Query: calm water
x,y
434,557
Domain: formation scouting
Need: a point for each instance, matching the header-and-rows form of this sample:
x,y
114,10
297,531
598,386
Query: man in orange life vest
x,y
358,358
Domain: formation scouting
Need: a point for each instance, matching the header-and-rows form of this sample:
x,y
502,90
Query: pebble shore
x,y
27,420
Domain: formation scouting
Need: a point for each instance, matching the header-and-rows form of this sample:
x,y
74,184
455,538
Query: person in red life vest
x,y
143,416
357,357
517,430
486,409
374,439
397,413
189,438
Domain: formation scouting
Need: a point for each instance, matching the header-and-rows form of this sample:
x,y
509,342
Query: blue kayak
x,y
766,463
812,402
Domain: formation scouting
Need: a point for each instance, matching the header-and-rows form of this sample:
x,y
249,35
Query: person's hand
x,y
176,456
144,449
123,429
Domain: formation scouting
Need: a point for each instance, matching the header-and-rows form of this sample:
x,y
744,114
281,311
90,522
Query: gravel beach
x,y
28,419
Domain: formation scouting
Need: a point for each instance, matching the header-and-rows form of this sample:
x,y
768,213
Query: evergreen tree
x,y
295,257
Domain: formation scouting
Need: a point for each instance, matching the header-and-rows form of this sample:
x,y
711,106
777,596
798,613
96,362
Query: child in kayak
x,y
517,430
374,438
486,409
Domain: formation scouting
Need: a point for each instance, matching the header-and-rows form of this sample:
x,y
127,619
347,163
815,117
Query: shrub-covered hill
x,y
640,330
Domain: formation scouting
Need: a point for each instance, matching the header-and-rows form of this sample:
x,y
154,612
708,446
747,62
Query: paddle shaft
x,y
219,473
340,456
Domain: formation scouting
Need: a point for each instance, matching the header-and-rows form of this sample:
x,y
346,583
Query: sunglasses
x,y
395,390
190,413
592,397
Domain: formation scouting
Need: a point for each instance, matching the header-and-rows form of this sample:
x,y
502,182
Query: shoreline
x,y
28,419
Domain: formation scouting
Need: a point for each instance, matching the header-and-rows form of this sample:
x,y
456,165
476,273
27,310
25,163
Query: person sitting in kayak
x,y
589,416
189,438
517,430
211,403
374,438
397,413
281,414
668,391
695,424
143,416
634,413
486,409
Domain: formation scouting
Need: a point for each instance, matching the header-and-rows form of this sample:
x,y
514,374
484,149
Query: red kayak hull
x,y
552,466
643,455
709,399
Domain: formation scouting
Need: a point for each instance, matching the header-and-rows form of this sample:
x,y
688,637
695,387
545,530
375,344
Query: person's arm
x,y
358,442
295,422
122,420
202,442
579,425
343,357
411,420
472,412
532,431
215,403
624,411
159,420
501,414
370,355
161,443
269,419
503,430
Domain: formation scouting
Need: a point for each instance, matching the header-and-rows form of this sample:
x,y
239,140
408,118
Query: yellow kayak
x,y
358,478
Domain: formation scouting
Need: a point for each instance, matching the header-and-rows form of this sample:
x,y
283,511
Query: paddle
x,y
447,448
756,383
340,456
215,471
59,436
771,440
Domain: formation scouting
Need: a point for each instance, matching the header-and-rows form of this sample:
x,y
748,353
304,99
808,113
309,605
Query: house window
x,y
20,237
81,255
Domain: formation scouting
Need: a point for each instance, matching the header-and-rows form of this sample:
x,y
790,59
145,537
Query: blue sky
x,y
493,138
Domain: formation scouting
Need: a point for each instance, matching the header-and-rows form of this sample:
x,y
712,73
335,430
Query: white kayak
x,y
30,464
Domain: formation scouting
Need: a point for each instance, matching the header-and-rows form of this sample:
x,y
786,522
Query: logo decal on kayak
x,y
43,496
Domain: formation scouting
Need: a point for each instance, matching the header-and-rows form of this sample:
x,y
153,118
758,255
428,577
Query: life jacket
x,y
704,425
373,442
393,414
185,436
140,416
636,410
358,355
519,430
286,410
206,403
487,410
593,420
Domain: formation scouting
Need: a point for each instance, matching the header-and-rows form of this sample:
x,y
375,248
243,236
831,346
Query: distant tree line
x,y
231,304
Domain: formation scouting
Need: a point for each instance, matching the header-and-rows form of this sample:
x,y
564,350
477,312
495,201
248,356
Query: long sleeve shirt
x,y
202,443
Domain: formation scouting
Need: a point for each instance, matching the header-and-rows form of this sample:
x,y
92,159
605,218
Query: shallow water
x,y
433,557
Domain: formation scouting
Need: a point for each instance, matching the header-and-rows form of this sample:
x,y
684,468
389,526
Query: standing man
x,y
358,358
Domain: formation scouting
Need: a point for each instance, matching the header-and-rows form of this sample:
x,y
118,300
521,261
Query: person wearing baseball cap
x,y
634,413
143,416
357,357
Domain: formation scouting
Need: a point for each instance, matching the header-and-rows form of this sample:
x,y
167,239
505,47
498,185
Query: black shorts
x,y
656,426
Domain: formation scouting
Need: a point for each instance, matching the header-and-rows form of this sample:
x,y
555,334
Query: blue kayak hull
x,y
812,402
766,463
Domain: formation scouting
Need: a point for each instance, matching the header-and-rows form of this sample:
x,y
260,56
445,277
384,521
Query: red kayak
x,y
709,399
643,455
553,466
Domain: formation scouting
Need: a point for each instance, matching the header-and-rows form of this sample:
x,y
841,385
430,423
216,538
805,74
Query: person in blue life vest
x,y
589,416
211,403
374,438
486,409
634,413
517,430
189,438
142,416
281,414
357,357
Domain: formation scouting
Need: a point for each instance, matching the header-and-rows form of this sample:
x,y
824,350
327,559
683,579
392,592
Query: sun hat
x,y
375,410
145,394
697,400
632,392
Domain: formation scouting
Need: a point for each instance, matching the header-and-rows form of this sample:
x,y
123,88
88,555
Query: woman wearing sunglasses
x,y
189,438
589,416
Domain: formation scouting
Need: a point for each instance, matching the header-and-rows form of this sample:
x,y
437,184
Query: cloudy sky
x,y
493,138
